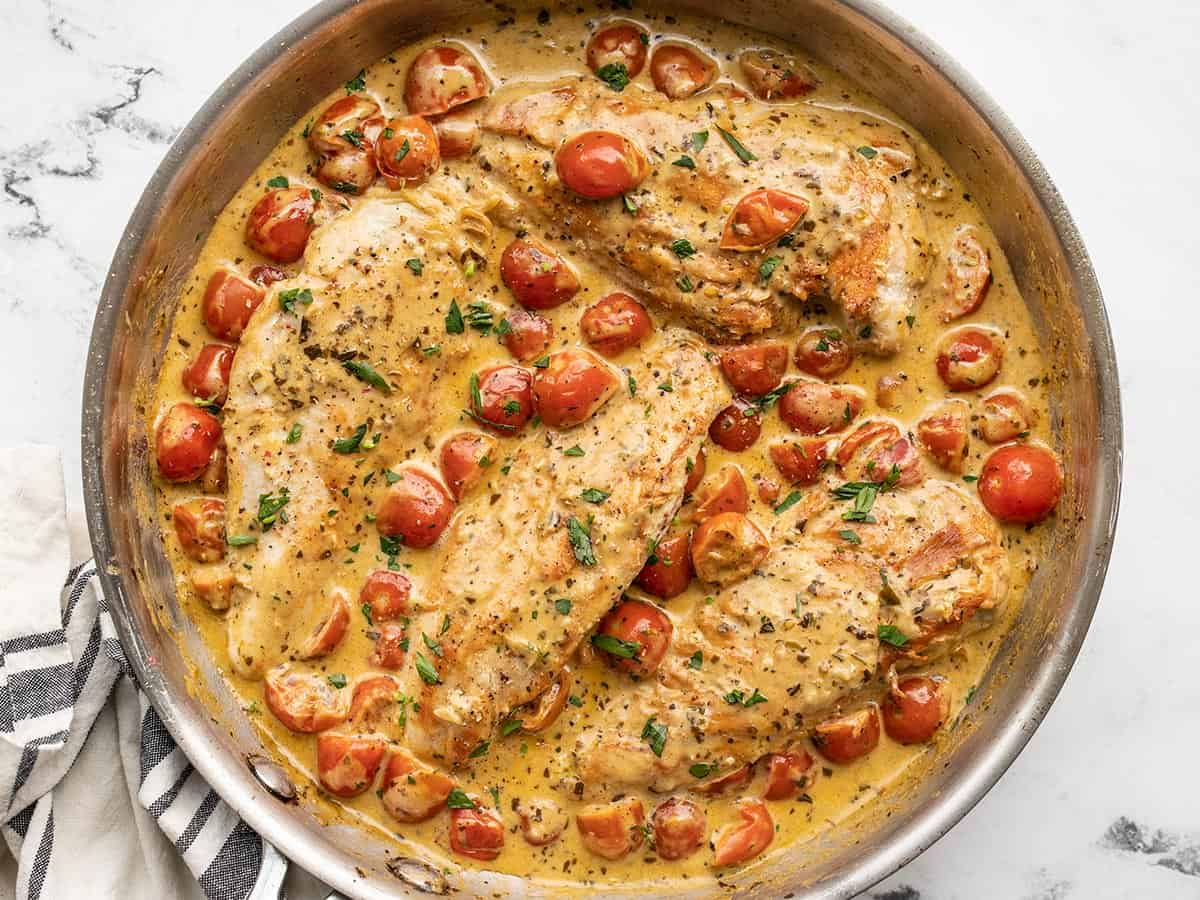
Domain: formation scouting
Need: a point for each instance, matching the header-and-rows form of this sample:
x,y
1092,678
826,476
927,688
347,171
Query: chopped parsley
x,y
457,799
425,669
481,749
454,319
684,283
354,138
390,544
479,316
767,400
699,139
581,541
563,605
366,372
511,725
338,680
575,701
696,661
736,146
415,265
863,493
630,205
683,248
850,537
655,734
574,451
768,266
595,495
351,444
241,540
701,770
614,646
433,645
868,152
542,362
403,151
890,634
279,181
270,508
615,75
788,502
293,435
970,478
289,298
357,83
685,162
367,614
632,383
739,698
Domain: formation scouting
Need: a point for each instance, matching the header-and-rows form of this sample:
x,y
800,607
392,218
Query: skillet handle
x,y
269,885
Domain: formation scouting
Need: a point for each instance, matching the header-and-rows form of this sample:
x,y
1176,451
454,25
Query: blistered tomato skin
x,y
280,224
679,71
943,434
914,709
755,369
417,509
407,152
968,275
185,441
615,323
849,737
1021,483
389,650
695,471
621,43
502,397
545,710
671,571
538,277
633,621
736,427
442,78
969,358
528,335
572,388
229,302
599,165
476,833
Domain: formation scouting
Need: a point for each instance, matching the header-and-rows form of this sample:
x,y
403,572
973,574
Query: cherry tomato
x,y
615,323
212,479
340,138
1006,416
268,275
456,135
800,461
503,396
200,527
542,820
968,275
679,828
612,830
695,471
407,152
412,791
416,508
600,164
635,622
767,489
387,595
823,353
914,709
572,388
349,172
969,358
724,493
812,407
528,335
213,585
390,646
671,572
1021,483
847,738
719,784
476,833
761,217
679,71
873,449
303,701
620,43
889,392
330,630
755,369
943,434
740,842
207,376
788,774
728,547
736,427
442,78
229,302
548,706
776,76
374,708
185,441
538,277
347,764
464,456
280,223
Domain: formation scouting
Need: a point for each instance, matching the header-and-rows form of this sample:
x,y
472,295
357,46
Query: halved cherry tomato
x,y
212,479
679,827
847,738
1006,416
229,302
800,461
542,820
620,43
813,407
538,277
767,489
347,764
268,275
572,387
442,78
341,139
728,547
943,434
914,708
968,275
695,471
755,369
1021,483
740,842
200,527
280,223
615,323
330,630
502,396
375,708
185,441
638,623
671,571
416,508
303,701
528,334
788,774
873,449
969,358
207,376
889,392
680,71
386,594
737,426
726,492
600,164
476,833
823,353
456,135
412,791
407,152
390,646
548,706
761,217
719,784
350,172
214,585
774,75
464,456
612,830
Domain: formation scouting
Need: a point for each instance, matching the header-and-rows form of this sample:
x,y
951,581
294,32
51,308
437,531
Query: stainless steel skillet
x,y
240,124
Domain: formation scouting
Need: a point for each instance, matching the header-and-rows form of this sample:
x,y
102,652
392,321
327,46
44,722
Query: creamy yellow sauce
x,y
528,765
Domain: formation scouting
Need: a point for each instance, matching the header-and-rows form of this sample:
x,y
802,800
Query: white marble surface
x,y
94,90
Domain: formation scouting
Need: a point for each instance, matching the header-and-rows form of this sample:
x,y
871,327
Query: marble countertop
x,y
1103,803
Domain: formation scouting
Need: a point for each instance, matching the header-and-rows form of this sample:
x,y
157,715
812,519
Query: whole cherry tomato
x,y
502,396
1021,483
615,323
407,151
416,508
847,738
207,376
642,633
618,44
538,277
755,369
669,571
823,353
185,441
914,709
280,223
601,164
736,427
969,358
679,827
229,302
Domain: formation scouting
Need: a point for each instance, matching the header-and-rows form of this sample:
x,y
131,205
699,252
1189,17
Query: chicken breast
x,y
862,240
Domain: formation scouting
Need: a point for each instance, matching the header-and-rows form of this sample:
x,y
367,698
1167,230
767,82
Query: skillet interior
x,y
243,121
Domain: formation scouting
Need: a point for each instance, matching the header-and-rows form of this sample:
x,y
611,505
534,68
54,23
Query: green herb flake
x,y
454,319
351,444
431,350
595,495
403,151
415,266
970,478
357,83
768,266
685,162
458,798
683,248
366,372
293,434
696,661
241,540
575,701
701,770
850,537
425,669
911,320
542,362
510,725
338,680
630,204
788,502
581,542
655,734
368,614
699,139
868,152
684,283
271,508
289,298
614,646
574,451
563,605
632,383
481,749
615,75
890,634
434,647
736,146
279,181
